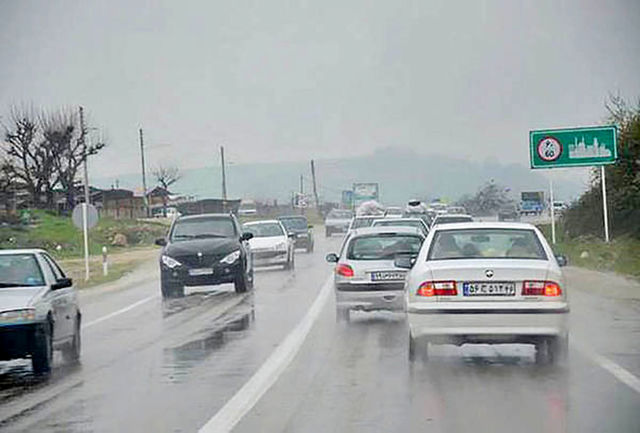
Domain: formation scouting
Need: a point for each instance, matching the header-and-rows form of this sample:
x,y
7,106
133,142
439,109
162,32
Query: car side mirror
x,y
332,258
562,260
404,262
291,235
310,226
161,242
62,283
246,236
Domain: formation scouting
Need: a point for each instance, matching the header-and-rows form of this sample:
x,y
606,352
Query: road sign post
x,y
553,214
85,217
575,147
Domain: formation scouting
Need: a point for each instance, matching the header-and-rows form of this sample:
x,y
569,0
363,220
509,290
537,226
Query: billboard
x,y
364,192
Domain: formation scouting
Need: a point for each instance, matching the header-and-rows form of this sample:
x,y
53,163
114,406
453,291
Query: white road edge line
x,y
247,396
119,312
619,372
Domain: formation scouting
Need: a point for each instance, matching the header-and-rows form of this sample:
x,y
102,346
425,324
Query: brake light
x,y
437,288
541,288
344,270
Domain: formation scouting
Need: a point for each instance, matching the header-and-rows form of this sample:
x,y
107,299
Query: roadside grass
x,y
621,255
48,231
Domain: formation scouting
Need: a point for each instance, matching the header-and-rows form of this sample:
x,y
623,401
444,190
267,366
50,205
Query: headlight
x,y
231,258
170,263
281,246
18,316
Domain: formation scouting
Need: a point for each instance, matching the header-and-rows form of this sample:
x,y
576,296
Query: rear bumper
x,y
371,300
272,259
487,326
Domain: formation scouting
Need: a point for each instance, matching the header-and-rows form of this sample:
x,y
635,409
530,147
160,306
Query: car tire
x,y
71,352
327,233
558,349
418,350
343,315
171,290
42,356
310,247
241,282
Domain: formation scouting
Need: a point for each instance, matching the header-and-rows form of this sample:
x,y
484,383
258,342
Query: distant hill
x,y
401,174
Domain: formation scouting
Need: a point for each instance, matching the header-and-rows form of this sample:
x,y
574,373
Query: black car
x,y
205,249
300,228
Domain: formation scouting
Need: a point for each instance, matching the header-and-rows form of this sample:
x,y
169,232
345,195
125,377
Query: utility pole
x,y
83,132
315,186
224,174
301,196
144,176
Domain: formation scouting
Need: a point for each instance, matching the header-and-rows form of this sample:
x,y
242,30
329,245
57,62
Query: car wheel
x,y
292,261
558,349
327,233
310,248
240,282
42,356
71,352
418,350
343,314
250,279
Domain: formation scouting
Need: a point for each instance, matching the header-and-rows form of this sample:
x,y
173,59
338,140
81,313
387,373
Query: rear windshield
x,y
383,246
294,223
194,228
453,219
20,270
339,214
391,223
359,223
264,230
486,244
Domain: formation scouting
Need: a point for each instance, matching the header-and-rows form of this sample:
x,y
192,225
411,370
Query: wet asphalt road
x,y
152,366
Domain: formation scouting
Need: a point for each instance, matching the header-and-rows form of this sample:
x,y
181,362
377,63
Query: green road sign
x,y
573,147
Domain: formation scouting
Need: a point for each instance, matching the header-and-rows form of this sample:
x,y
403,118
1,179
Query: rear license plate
x,y
489,289
200,271
387,276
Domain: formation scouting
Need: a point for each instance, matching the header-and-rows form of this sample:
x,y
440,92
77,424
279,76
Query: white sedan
x,y
271,245
487,283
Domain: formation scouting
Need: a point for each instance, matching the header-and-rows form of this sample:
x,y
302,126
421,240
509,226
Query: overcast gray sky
x,y
292,80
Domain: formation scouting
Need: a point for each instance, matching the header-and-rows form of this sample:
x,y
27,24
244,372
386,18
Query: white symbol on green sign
x,y
549,149
579,149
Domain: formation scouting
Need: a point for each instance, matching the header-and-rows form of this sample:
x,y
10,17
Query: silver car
x,y
366,277
39,310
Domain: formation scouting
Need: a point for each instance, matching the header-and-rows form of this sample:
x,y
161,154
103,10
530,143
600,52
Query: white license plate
x,y
200,271
387,276
497,288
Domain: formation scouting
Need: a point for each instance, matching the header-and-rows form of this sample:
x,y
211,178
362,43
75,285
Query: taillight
x,y
344,270
541,288
437,288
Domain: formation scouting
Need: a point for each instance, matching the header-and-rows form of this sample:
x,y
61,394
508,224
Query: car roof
x,y
249,223
22,251
485,225
453,215
377,230
391,221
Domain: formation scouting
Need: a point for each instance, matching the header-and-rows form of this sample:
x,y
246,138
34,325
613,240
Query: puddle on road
x,y
235,324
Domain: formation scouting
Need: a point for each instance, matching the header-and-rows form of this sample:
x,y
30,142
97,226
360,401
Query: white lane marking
x,y
247,396
120,311
619,372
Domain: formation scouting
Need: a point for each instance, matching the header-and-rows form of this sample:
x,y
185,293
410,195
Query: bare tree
x,y
62,132
31,157
165,177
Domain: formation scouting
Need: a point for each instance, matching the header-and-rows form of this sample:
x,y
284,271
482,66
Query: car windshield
x,y
20,270
486,244
264,230
342,214
294,223
194,228
383,246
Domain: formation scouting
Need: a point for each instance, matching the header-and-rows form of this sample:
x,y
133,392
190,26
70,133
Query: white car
x,y
360,222
487,283
270,245
452,218
337,221
39,310
393,212
366,277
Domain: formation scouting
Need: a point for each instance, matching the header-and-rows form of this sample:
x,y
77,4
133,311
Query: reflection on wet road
x,y
171,365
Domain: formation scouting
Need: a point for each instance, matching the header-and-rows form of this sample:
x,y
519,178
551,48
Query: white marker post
x,y
85,231
604,204
105,263
553,214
